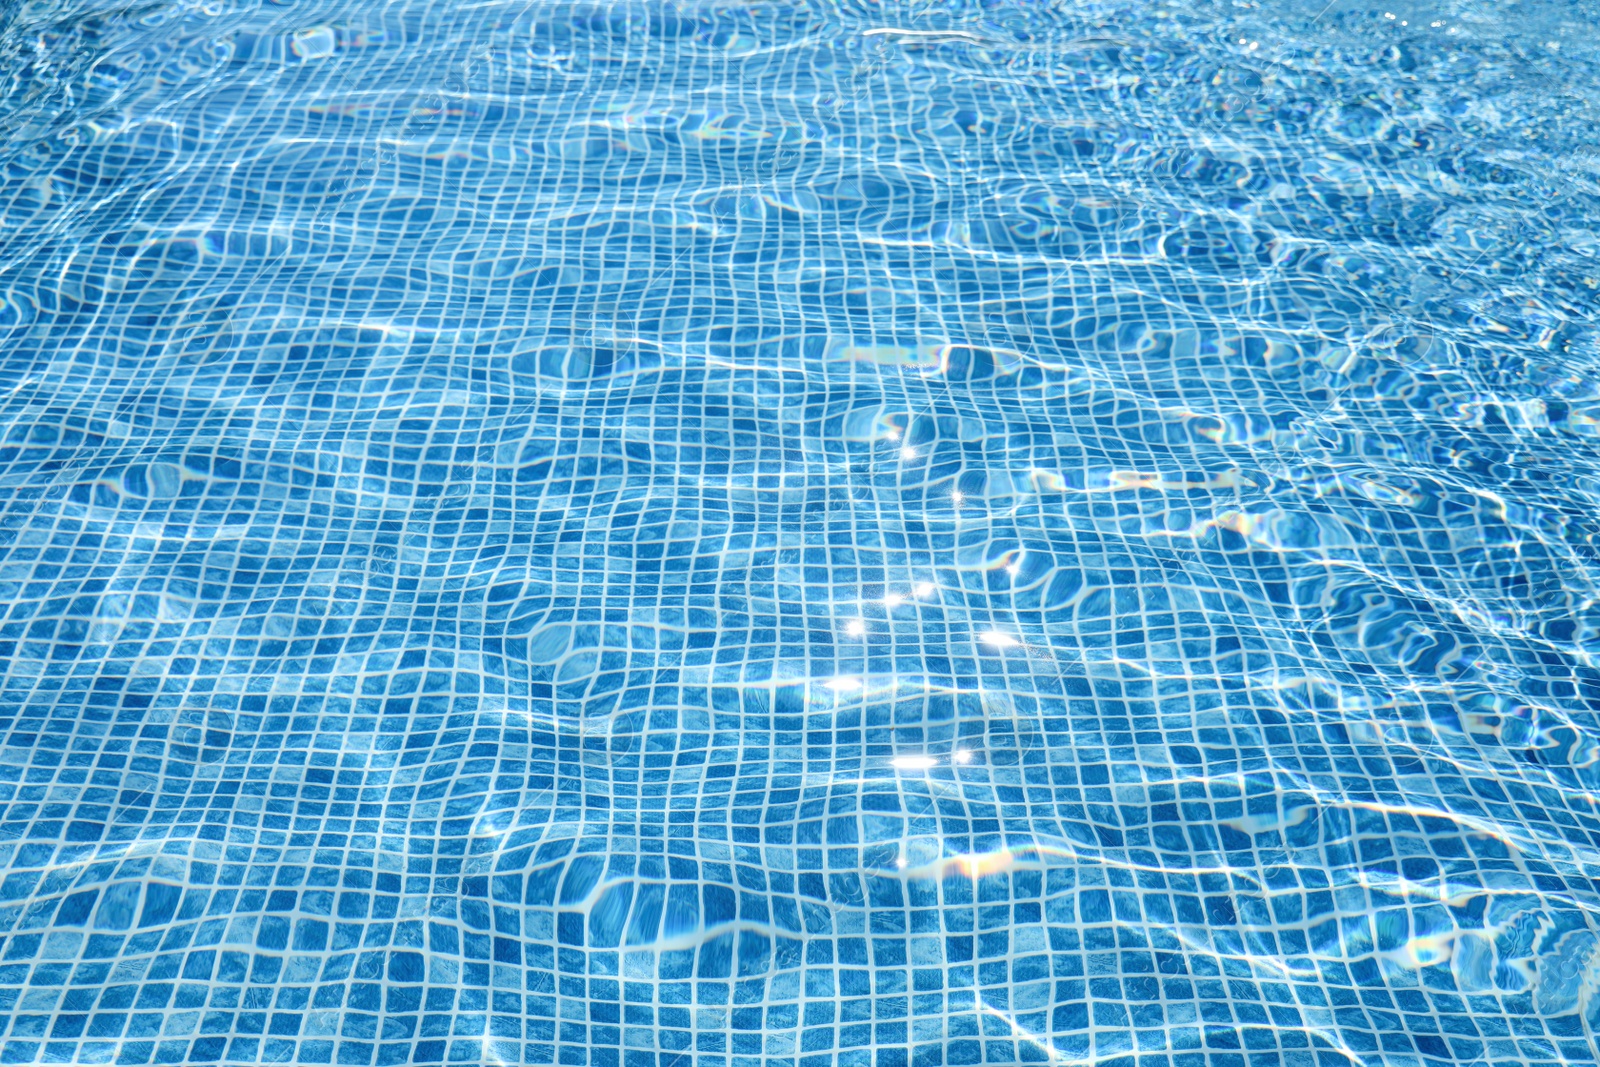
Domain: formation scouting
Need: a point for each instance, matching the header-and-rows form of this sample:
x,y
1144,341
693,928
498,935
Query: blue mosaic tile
x,y
918,533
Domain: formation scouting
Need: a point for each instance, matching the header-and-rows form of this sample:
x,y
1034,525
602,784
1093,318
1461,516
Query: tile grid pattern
x,y
641,535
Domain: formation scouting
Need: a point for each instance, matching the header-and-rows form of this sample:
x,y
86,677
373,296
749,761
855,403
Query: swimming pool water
x,y
815,534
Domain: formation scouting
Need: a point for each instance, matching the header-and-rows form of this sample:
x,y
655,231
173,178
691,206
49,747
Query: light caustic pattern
x,y
808,534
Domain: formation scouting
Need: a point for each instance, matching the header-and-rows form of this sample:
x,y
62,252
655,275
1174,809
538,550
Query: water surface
x,y
821,534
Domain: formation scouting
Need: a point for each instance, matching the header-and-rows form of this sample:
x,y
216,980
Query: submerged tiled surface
x,y
706,535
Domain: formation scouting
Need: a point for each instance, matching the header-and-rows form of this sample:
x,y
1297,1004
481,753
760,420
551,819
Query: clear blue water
x,y
822,534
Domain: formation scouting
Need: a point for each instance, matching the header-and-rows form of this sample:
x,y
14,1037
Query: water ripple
x,y
836,534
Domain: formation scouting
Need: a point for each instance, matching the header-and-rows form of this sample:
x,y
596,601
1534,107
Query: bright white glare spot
x,y
1388,14
1014,570
893,600
901,863
845,684
963,756
908,453
956,498
996,639
925,589
855,628
912,763
894,435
